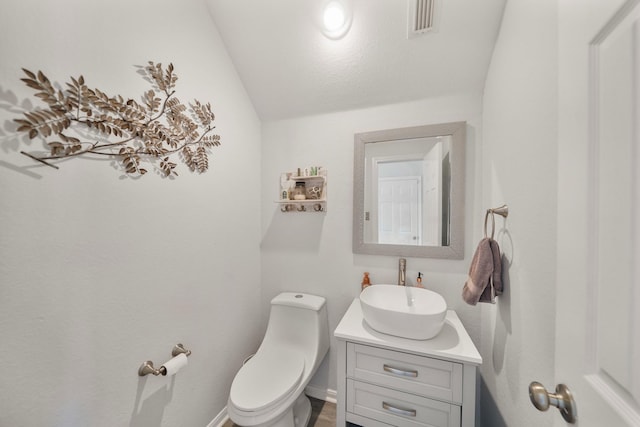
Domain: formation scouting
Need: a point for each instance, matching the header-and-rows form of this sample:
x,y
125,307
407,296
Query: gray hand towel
x,y
485,274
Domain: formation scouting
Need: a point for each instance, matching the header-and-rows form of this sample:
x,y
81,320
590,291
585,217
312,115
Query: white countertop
x,y
453,343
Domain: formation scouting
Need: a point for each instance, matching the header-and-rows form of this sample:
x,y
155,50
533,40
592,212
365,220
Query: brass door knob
x,y
561,399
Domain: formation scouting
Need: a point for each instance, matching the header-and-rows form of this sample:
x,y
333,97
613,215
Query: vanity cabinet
x,y
390,381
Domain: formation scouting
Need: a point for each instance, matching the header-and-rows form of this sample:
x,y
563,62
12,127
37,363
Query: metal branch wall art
x,y
152,130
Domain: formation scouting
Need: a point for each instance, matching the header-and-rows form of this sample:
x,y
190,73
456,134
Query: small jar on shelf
x,y
300,191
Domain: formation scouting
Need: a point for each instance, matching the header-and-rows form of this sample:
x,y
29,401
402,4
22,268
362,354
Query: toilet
x,y
268,391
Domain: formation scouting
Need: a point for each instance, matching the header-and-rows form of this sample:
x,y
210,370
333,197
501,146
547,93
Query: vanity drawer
x,y
399,409
427,377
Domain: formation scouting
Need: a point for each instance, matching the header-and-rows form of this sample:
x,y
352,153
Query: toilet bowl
x,y
268,390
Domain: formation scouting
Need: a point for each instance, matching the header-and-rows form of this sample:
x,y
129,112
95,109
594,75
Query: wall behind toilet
x,y
99,272
312,252
512,158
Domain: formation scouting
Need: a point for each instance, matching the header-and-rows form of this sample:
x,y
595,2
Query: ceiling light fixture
x,y
336,19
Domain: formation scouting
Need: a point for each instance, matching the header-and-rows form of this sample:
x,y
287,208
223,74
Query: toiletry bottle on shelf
x,y
419,280
365,280
284,186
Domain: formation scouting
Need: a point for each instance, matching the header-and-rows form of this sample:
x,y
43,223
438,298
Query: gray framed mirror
x,y
408,191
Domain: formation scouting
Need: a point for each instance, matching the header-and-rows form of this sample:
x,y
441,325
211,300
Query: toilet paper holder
x,y
147,367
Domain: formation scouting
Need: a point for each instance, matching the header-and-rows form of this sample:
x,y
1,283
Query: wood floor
x,y
323,414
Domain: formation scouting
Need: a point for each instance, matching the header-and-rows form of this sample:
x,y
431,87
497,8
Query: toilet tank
x,y
300,321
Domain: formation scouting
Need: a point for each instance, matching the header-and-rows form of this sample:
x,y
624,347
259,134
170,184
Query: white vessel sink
x,y
403,311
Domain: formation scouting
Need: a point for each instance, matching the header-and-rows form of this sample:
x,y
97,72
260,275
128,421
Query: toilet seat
x,y
266,379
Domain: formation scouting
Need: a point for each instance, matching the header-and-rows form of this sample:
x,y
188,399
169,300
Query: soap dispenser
x,y
365,281
419,280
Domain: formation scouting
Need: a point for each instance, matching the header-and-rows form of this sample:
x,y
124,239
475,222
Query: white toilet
x,y
268,390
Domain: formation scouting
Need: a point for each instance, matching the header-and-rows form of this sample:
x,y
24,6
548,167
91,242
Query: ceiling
x,y
290,69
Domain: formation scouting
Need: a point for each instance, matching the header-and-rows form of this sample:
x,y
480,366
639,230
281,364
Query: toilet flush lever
x,y
561,399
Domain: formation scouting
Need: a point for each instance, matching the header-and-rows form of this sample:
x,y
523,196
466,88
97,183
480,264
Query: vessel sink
x,y
403,311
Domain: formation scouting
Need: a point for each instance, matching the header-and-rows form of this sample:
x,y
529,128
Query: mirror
x,y
408,193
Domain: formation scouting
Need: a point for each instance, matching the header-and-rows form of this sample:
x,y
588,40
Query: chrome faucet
x,y
402,272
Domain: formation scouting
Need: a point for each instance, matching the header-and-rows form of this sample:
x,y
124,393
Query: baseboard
x,y
220,419
327,395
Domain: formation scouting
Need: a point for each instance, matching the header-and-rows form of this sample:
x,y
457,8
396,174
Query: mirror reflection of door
x,y
408,204
398,215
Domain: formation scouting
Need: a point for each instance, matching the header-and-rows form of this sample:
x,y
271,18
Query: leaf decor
x,y
150,130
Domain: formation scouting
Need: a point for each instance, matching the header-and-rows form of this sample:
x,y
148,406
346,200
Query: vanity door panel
x,y
428,377
399,409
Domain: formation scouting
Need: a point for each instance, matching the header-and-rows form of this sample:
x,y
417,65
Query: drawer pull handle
x,y
399,411
400,372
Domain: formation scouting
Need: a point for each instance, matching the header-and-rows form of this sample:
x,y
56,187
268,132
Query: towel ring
x,y
503,211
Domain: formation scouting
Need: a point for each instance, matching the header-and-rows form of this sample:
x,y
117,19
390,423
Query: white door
x,y
598,296
399,215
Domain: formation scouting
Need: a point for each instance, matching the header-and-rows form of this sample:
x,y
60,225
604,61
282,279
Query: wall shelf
x,y
314,191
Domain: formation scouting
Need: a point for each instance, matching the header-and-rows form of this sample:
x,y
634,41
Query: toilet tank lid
x,y
298,299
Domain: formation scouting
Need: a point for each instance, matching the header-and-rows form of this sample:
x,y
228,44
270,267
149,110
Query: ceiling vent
x,y
423,16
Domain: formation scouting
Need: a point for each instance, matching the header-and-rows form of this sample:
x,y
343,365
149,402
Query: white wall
x,y
99,273
519,162
312,252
